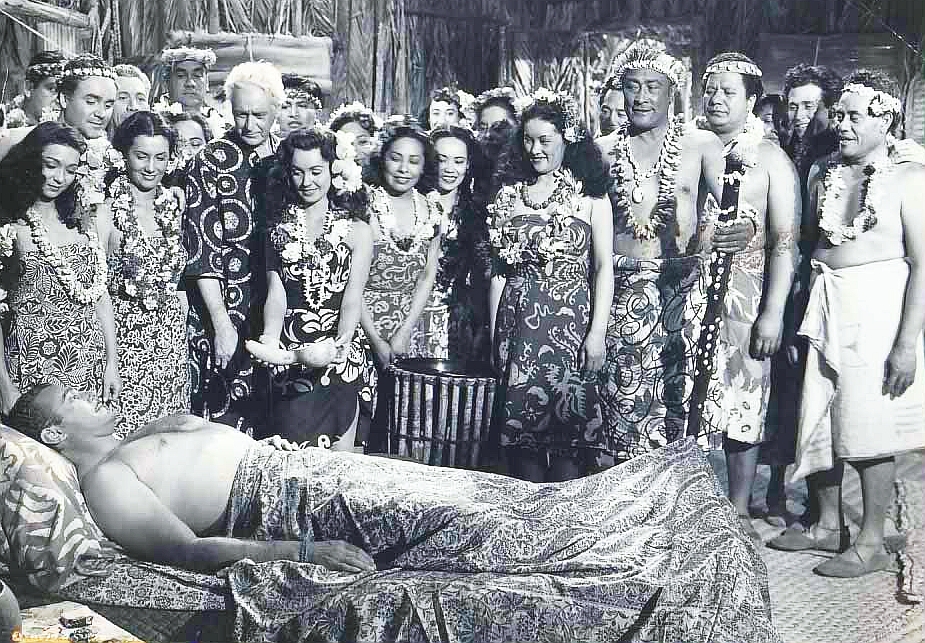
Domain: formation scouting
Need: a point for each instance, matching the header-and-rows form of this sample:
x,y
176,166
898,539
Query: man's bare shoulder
x,y
112,473
700,138
906,174
774,159
606,143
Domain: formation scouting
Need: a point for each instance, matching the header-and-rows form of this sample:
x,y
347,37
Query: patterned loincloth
x,y
649,549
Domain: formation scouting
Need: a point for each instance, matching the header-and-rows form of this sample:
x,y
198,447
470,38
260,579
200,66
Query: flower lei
x,y
149,288
380,204
830,221
99,157
667,166
512,245
311,258
72,286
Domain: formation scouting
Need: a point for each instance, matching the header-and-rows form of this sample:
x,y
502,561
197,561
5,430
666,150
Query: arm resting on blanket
x,y
130,513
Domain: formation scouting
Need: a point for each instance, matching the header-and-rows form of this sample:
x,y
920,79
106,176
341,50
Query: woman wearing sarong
x,y
60,325
455,321
406,245
551,290
318,249
140,229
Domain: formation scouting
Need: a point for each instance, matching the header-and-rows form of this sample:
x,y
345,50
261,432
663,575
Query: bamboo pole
x,y
296,21
214,24
29,10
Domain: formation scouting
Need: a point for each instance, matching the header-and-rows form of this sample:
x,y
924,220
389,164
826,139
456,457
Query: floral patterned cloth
x,y
220,240
52,338
310,403
649,550
738,392
546,402
153,353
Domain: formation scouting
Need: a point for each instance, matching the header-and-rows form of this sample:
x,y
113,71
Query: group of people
x,y
243,263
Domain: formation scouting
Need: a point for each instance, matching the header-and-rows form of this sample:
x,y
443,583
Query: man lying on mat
x,y
652,536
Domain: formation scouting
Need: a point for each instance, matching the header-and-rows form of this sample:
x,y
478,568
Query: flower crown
x,y
647,54
346,173
355,111
45,70
734,66
206,57
296,94
880,102
498,93
573,129
87,72
395,122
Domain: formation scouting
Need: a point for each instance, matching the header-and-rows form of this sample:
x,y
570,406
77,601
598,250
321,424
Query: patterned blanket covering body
x,y
649,550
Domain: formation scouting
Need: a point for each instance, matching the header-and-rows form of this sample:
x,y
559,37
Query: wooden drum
x,y
441,411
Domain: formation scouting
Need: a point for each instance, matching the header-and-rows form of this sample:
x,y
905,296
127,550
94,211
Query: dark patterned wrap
x,y
462,281
218,232
51,337
649,549
311,403
651,340
546,402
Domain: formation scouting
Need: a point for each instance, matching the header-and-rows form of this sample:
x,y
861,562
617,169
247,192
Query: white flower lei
x,y
99,157
312,257
667,166
72,286
149,289
424,228
512,246
830,220
7,245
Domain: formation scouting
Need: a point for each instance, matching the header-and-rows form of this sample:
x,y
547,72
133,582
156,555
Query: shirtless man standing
x,y
864,385
662,173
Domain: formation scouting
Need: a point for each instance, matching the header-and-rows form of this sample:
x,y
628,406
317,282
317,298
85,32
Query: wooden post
x,y
503,56
214,24
29,10
585,80
297,13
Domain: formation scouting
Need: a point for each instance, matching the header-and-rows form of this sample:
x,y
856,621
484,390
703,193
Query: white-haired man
x,y
662,173
864,386
219,232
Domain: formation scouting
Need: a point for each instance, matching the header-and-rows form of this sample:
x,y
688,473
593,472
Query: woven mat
x,y
808,608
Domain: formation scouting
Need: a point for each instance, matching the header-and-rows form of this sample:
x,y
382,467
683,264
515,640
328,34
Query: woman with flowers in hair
x,y
362,123
448,106
551,290
139,226
61,326
318,251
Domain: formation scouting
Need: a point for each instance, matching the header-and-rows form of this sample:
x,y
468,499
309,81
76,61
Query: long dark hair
x,y
21,177
582,157
280,192
372,171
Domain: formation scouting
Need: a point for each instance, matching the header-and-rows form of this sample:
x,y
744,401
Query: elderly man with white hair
x,y
219,233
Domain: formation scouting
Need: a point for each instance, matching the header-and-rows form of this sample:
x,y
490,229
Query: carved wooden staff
x,y
705,361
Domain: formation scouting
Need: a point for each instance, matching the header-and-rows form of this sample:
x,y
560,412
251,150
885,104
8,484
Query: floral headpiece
x,y
880,102
498,93
87,72
356,111
647,54
205,57
295,94
563,102
734,66
45,70
395,122
346,173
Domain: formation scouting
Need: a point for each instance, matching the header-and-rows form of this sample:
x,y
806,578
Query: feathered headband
x,y
734,66
563,102
646,54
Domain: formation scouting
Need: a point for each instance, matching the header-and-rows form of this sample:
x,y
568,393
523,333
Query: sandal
x,y
798,538
850,564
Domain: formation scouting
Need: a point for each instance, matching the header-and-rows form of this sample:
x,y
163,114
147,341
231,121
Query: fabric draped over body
x,y
648,548
851,323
